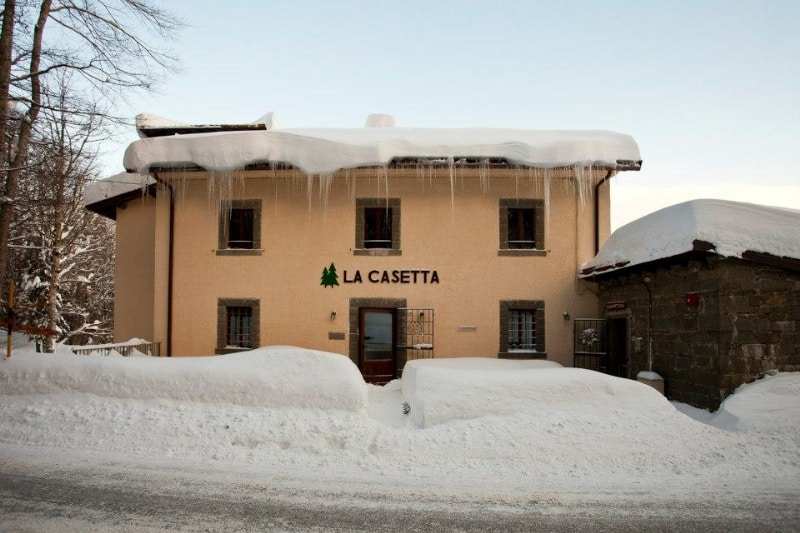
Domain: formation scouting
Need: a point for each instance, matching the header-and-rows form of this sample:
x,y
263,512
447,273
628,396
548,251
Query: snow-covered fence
x,y
125,349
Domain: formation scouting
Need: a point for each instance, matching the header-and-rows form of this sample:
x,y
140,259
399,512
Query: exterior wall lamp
x,y
333,315
566,315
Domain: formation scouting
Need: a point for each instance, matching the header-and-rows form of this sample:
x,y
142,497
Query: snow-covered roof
x,y
114,186
101,196
730,229
325,151
148,125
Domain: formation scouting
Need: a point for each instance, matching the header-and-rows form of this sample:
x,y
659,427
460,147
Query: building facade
x,y
414,257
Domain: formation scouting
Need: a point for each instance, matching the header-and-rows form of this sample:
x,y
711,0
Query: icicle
x,y
310,188
275,183
451,169
583,182
483,174
546,186
383,175
325,192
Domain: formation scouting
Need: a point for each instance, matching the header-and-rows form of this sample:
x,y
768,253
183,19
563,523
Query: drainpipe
x,y
607,177
645,281
170,268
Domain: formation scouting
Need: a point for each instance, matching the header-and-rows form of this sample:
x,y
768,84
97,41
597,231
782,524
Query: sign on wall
x,y
330,276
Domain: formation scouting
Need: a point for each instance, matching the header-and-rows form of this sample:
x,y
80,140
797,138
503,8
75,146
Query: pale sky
x,y
709,89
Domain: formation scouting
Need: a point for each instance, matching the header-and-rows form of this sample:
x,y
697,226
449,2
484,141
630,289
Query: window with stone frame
x,y
521,227
240,228
522,329
238,324
377,230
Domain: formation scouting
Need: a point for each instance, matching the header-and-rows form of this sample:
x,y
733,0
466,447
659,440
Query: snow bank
x,y
732,227
439,391
324,151
275,377
771,402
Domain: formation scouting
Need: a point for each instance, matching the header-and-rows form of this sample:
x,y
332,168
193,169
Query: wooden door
x,y
377,346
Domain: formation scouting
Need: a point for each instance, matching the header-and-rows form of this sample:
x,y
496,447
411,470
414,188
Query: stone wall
x,y
761,330
745,323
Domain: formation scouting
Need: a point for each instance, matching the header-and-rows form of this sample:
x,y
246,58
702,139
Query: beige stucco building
x,y
384,244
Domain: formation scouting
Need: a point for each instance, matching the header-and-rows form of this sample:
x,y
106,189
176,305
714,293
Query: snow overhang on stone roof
x,y
325,151
757,233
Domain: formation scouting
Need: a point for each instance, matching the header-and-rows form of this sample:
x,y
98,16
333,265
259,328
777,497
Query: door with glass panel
x,y
377,350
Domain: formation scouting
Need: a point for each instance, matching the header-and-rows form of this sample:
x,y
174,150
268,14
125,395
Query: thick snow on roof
x,y
115,185
324,151
731,227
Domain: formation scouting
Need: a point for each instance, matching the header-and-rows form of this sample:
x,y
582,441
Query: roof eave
x,y
107,207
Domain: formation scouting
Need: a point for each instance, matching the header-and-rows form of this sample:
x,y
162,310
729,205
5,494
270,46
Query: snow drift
x,y
273,377
762,405
441,391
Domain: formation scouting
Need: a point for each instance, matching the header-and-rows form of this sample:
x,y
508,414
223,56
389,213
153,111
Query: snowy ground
x,y
478,430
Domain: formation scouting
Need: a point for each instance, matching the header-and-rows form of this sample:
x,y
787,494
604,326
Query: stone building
x,y
705,293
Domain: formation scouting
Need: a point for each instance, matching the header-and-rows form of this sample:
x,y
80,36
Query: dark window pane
x,y
521,228
240,327
377,227
378,336
240,228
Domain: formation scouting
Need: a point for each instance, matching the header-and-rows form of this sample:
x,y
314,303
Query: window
x,y
522,329
521,227
237,325
240,228
377,226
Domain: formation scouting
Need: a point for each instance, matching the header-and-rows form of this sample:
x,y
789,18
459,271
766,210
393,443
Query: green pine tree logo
x,y
329,276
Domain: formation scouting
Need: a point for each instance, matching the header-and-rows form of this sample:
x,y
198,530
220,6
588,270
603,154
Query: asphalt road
x,y
87,498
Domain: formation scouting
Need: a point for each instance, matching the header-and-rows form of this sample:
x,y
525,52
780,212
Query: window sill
x,y
239,251
521,252
522,354
377,251
224,351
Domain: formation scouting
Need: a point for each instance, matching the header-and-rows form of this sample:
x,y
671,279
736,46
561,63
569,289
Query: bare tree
x,y
56,241
110,47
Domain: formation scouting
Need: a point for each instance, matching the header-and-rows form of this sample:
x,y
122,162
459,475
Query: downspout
x,y
607,177
170,262
645,281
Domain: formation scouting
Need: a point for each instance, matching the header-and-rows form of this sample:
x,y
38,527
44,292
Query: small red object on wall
x,y
692,299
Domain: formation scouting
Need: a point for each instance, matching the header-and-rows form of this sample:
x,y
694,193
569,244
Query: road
x,y
53,497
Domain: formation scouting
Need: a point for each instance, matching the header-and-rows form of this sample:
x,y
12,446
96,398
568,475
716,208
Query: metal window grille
x,y
240,327
522,329
377,227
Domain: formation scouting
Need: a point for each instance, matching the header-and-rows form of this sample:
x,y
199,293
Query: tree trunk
x,y
23,137
58,235
6,42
